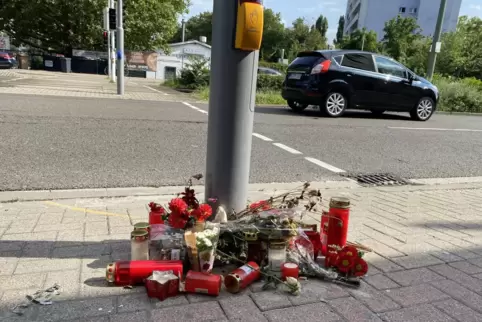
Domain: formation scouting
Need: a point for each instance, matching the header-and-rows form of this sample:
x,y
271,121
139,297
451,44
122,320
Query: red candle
x,y
289,270
198,282
155,217
135,272
338,221
242,277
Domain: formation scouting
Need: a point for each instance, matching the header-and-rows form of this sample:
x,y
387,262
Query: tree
x,y
62,25
360,39
196,26
400,35
461,52
321,25
339,32
303,37
274,36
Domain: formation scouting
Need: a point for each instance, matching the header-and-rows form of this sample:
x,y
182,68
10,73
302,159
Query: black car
x,y
338,80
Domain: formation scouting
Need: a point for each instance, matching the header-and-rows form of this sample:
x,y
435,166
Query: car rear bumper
x,y
302,96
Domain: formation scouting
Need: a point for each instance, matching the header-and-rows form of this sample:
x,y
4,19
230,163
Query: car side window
x,y
389,67
338,59
359,61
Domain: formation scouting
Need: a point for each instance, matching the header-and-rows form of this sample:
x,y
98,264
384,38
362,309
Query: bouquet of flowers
x,y
206,242
184,212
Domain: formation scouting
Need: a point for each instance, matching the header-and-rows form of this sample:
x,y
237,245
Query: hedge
x,y
276,66
269,82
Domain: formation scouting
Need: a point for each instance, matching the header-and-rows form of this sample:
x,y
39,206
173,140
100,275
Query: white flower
x,y
293,285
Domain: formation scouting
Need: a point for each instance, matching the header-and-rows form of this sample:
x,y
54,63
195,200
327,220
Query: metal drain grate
x,y
378,179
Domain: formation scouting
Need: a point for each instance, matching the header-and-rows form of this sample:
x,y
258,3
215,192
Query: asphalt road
x,y
55,143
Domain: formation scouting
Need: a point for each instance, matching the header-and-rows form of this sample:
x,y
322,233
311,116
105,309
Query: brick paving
x,y
427,264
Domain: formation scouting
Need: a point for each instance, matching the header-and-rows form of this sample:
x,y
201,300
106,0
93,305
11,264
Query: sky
x,y
311,9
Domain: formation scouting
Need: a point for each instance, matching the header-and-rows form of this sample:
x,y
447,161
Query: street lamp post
x,y
231,112
435,48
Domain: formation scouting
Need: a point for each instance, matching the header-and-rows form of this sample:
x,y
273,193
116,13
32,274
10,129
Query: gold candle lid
x,y
139,234
141,226
340,202
232,282
110,273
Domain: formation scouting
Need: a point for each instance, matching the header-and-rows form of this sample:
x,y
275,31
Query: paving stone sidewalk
x,y
427,264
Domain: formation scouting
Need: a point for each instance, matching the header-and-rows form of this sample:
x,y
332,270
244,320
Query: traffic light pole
x,y
111,50
120,49
231,112
432,58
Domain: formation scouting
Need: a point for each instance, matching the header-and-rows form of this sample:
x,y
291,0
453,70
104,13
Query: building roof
x,y
197,42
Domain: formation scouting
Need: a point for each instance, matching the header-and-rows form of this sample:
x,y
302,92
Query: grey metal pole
x,y
432,58
183,38
231,112
363,41
111,57
120,50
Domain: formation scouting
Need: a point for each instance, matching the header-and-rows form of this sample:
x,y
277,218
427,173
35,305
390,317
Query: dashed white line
x,y
432,129
281,146
262,137
155,90
287,148
325,165
195,108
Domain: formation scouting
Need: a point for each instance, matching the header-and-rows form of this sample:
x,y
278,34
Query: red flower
x,y
350,251
260,205
360,268
155,207
177,220
203,212
177,205
345,262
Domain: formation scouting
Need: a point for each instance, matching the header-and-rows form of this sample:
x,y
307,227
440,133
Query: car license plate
x,y
295,76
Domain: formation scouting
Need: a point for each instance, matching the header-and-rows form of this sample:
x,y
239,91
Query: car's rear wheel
x,y
423,110
297,106
335,104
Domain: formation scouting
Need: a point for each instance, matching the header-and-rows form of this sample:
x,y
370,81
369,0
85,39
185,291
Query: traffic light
x,y
106,37
112,19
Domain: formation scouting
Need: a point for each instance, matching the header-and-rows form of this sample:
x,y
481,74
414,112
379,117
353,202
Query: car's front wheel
x,y
335,104
297,106
423,110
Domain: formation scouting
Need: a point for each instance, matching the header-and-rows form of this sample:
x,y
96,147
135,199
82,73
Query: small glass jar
x,y
276,255
139,245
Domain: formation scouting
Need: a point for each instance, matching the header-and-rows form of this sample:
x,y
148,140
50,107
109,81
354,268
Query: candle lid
x,y
110,273
139,234
141,225
340,202
290,265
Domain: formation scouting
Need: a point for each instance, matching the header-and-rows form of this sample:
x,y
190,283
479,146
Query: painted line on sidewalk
x,y
287,148
154,90
325,165
262,137
431,129
85,210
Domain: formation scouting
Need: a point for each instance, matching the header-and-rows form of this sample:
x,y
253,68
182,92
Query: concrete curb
x,y
39,195
265,188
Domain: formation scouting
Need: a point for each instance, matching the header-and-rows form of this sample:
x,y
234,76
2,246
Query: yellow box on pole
x,y
249,24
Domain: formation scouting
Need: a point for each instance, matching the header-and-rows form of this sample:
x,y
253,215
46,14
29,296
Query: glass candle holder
x,y
139,245
276,255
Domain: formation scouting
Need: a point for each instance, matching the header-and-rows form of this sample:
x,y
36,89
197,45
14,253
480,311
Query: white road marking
x,y
282,146
325,165
287,148
432,129
155,90
262,137
195,108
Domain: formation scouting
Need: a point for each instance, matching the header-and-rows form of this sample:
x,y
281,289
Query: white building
x,y
170,65
372,14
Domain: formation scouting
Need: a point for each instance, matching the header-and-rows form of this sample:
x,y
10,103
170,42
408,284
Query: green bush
x,y
269,82
267,97
196,73
474,82
456,96
276,66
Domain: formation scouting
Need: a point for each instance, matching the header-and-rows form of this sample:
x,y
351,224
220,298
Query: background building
x,y
372,14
